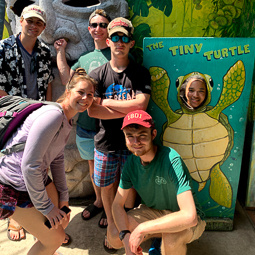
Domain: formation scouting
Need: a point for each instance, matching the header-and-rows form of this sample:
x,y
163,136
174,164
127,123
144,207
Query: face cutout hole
x,y
81,3
193,92
19,5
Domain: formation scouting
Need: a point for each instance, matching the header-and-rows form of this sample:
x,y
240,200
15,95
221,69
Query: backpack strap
x,y
15,148
20,146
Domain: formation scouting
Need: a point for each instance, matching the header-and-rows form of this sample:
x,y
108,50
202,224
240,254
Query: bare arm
x,y
118,211
125,106
49,92
174,222
120,216
96,110
64,70
3,93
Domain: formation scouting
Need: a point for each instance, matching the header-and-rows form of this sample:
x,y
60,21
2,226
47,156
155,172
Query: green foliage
x,y
231,18
165,6
141,31
139,7
138,55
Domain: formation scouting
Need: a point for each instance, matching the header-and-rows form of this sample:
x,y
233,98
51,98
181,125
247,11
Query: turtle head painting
x,y
200,133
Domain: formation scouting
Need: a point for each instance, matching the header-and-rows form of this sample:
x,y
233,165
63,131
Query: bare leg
x,y
53,194
176,243
98,201
21,234
48,241
113,233
108,195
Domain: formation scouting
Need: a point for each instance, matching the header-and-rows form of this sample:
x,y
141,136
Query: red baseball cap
x,y
138,117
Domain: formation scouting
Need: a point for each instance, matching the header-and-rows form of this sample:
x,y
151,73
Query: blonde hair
x,y
79,75
99,12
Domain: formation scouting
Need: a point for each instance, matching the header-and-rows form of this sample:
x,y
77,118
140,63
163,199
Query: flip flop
x,y
93,210
109,250
103,216
69,240
14,228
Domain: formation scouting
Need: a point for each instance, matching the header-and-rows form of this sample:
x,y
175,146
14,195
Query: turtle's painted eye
x,y
211,82
177,83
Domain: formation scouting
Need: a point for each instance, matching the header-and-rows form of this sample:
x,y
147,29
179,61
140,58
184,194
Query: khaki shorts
x,y
143,213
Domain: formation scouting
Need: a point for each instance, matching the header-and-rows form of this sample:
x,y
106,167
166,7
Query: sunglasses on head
x,y
123,38
78,71
102,25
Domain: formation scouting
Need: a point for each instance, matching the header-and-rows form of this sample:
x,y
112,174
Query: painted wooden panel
x,y
210,138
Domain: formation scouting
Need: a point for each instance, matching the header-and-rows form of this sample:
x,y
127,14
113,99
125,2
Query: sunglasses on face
x,y
123,38
102,25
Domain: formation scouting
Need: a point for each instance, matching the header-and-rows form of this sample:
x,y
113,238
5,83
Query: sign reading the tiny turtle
x,y
200,94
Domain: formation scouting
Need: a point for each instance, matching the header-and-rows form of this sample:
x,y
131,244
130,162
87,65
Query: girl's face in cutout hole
x,y
196,93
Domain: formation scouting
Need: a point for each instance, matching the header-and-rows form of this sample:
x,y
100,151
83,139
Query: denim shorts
x,y
85,143
108,167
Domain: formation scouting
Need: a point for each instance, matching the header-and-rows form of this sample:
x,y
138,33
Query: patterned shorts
x,y
108,167
10,198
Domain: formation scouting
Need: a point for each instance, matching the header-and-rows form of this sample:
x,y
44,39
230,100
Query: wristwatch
x,y
123,233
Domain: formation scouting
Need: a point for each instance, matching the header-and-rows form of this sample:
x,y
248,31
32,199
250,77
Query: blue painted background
x,y
182,64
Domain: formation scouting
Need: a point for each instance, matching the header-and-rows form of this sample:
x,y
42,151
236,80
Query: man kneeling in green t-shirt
x,y
169,208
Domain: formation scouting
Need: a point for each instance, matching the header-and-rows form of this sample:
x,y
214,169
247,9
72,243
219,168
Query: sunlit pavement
x,y
87,237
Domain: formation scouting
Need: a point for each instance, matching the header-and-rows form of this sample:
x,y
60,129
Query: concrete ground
x,y
88,238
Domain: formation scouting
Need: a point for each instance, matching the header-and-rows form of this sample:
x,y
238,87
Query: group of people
x,y
111,92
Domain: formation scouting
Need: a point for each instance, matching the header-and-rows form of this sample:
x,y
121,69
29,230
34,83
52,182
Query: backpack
x,y
13,111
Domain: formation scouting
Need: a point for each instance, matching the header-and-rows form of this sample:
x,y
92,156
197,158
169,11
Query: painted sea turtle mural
x,y
204,137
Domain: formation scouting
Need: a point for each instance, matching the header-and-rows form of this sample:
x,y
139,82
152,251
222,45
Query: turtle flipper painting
x,y
204,137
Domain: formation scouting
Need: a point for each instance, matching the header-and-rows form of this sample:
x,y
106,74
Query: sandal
x,y
67,240
93,210
103,216
14,228
109,250
155,247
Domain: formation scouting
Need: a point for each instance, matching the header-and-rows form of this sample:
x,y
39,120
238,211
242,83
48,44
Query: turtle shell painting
x,y
199,100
